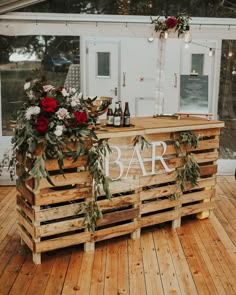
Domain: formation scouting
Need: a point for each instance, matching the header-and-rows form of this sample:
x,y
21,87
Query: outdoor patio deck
x,y
197,258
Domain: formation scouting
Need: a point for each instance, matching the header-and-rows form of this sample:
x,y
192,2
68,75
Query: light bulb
x,y
210,52
230,54
166,35
187,35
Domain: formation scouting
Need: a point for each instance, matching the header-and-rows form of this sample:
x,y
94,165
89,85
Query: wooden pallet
x,y
50,217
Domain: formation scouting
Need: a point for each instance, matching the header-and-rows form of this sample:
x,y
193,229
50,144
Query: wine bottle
x,y
121,114
110,116
126,115
117,115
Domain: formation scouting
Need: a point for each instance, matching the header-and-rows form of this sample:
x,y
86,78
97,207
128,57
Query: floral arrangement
x,y
49,123
177,23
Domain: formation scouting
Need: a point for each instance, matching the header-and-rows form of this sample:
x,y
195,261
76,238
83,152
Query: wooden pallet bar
x,y
144,182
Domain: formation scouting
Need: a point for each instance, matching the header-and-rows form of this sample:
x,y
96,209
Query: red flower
x,y
171,22
81,117
49,104
42,124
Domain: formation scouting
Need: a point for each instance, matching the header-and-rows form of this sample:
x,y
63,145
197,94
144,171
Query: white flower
x,y
31,111
59,130
75,100
62,113
27,85
64,92
72,91
48,88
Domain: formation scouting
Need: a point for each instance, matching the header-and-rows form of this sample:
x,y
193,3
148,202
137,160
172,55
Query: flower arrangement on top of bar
x,y
178,23
50,121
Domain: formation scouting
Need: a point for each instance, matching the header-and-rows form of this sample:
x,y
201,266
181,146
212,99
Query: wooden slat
x,y
158,218
50,196
61,242
59,227
58,212
25,207
118,216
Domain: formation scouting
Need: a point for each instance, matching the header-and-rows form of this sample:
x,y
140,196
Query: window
x,y
103,64
197,63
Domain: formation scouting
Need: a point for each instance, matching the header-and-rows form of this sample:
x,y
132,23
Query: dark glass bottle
x,y
110,116
117,116
126,115
121,114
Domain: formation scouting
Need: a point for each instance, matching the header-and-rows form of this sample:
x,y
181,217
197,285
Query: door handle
x,y
115,90
176,80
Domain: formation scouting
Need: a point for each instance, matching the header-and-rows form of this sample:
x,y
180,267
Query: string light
x,y
187,35
166,35
210,52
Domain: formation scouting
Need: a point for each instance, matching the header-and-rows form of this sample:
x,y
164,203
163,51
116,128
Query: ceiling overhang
x,y
12,5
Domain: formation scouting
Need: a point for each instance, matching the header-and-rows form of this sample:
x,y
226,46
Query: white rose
x,y
32,111
27,85
62,113
48,88
59,130
64,92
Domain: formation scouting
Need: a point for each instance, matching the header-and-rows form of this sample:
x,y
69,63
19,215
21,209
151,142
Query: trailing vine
x,y
190,171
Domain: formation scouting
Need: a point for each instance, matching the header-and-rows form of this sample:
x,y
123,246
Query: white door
x,y
102,69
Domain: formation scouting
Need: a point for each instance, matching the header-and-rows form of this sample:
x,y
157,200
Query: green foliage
x,y
161,25
142,141
187,138
188,173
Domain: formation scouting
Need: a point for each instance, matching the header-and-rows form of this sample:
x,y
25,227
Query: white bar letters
x,y
136,152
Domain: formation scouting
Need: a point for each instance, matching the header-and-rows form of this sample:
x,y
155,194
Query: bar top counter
x,y
150,125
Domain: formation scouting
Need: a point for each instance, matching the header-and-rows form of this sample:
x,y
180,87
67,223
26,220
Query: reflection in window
x,y
197,63
56,57
103,64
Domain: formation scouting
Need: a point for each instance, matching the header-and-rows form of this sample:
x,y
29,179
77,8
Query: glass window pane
x,y
197,63
22,57
103,64
227,100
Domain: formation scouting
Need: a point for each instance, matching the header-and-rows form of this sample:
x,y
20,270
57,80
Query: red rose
x,y
171,22
81,117
49,104
42,124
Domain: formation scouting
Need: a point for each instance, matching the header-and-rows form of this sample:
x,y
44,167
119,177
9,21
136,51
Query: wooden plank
x,y
192,255
99,268
123,268
196,196
118,216
151,267
73,271
66,179
159,205
41,276
192,209
11,270
52,165
26,193
167,270
158,218
61,242
119,201
59,227
154,193
25,237
23,221
85,276
181,266
58,212
114,231
58,273
111,272
24,277
208,261
50,196
136,269
221,268
25,207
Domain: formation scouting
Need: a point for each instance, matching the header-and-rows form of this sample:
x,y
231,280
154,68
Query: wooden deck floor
x,y
197,258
